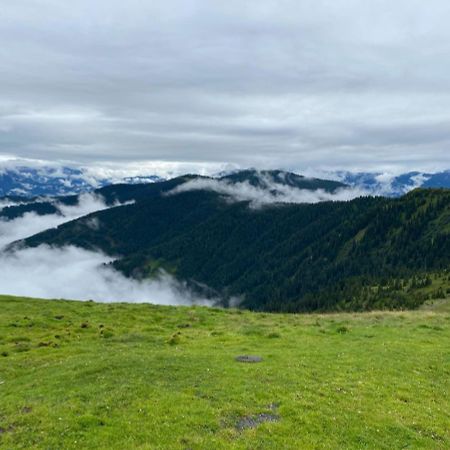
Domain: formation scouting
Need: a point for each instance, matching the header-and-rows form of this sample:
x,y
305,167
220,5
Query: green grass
x,y
120,376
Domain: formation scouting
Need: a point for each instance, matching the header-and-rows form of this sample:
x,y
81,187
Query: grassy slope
x,y
128,380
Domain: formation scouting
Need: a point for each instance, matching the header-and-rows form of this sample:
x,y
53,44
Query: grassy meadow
x,y
86,375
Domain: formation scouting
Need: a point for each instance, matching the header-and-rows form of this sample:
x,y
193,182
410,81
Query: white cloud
x,y
418,180
77,274
87,203
270,193
31,223
4,203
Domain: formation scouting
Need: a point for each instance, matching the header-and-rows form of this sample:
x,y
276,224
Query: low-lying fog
x,y
270,193
75,273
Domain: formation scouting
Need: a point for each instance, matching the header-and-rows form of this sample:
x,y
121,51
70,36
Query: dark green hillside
x,y
361,254
39,208
260,178
137,192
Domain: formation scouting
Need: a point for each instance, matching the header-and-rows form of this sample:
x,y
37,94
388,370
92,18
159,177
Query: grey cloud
x,y
290,84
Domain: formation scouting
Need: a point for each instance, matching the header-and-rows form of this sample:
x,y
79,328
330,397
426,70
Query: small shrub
x,y
5,354
174,339
274,335
342,330
88,421
106,334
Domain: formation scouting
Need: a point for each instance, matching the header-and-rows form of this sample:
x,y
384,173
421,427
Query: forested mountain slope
x,y
261,178
287,257
122,193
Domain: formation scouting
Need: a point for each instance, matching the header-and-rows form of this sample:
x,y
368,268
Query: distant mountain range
x,y
394,186
58,181
366,253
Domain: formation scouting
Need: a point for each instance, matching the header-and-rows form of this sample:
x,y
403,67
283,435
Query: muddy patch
x,y
248,359
253,421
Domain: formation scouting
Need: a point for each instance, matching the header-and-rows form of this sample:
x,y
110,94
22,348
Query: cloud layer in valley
x,y
269,193
31,223
5,202
287,84
75,273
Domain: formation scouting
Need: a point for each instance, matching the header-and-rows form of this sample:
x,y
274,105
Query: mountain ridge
x,y
125,192
52,181
285,257
34,181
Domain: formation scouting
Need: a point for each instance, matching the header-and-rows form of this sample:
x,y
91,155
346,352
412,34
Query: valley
x,y
278,256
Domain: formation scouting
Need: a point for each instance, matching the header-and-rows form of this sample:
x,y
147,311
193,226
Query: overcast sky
x,y
292,84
